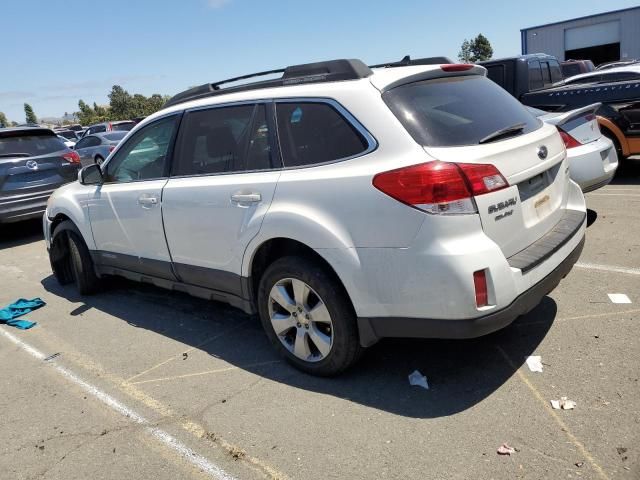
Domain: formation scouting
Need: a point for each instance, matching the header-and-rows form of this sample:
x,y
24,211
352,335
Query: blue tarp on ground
x,y
18,308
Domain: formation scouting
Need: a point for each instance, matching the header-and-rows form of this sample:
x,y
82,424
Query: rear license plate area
x,y
533,186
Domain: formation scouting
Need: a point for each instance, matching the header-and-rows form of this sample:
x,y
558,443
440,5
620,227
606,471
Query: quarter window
x,y
224,139
313,132
144,155
535,75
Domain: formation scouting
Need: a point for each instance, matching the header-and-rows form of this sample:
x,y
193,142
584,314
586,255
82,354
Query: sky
x,y
56,52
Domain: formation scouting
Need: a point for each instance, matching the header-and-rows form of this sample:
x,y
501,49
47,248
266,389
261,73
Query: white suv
x,y
341,203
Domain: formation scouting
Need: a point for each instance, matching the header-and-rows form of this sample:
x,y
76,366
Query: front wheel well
x,y
276,248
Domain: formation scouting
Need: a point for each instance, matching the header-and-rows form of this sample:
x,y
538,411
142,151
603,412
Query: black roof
x,y
327,71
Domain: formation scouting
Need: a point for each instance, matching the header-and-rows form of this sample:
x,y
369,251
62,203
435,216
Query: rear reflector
x,y
456,67
440,187
72,157
480,284
569,141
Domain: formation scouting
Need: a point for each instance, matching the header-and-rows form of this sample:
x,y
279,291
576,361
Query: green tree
x,y
4,122
475,50
465,52
121,104
481,48
86,115
30,117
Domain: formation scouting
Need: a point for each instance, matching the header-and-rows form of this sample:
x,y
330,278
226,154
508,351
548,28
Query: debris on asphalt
x,y
185,355
51,357
237,453
579,464
564,403
18,308
534,362
416,378
505,449
618,298
621,450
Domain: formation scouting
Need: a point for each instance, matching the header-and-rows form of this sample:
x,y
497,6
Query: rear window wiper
x,y
503,132
7,155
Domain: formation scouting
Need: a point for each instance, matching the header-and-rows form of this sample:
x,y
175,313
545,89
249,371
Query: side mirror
x,y
90,175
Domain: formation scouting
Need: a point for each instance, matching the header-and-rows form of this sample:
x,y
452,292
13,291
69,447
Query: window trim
x,y
372,143
169,154
276,157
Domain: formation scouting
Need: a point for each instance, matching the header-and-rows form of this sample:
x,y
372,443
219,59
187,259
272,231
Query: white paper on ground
x,y
419,380
534,362
564,403
618,298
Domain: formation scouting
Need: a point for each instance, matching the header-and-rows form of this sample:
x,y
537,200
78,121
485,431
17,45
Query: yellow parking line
x,y
178,355
206,372
194,428
563,426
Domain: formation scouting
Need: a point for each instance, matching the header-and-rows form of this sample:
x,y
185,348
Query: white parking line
x,y
165,438
613,195
608,268
618,298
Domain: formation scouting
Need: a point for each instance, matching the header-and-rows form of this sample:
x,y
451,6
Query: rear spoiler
x,y
562,119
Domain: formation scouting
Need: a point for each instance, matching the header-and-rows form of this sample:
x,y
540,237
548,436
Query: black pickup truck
x,y
536,80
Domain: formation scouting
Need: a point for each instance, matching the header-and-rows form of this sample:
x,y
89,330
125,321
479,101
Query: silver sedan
x,y
96,148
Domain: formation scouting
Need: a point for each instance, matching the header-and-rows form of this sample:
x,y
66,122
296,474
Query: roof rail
x,y
407,61
328,71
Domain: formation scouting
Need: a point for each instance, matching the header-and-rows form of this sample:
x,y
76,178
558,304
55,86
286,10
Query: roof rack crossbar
x,y
408,61
216,85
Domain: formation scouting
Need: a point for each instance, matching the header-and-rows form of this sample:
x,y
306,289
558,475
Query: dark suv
x,y
33,163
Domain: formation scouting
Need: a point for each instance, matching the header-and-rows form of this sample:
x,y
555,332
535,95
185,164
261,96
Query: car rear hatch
x,y
470,121
577,127
34,160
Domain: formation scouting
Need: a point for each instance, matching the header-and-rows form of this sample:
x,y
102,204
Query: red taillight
x,y
71,157
569,141
483,178
456,67
440,187
109,127
480,284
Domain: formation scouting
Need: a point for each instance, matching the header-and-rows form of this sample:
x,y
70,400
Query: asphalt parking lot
x,y
137,382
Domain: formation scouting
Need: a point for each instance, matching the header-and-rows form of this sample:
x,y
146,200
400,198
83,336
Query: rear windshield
x,y
30,144
68,134
115,136
123,126
570,70
456,111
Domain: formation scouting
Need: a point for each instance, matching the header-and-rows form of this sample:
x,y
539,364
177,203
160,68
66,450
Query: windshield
x,y
31,144
456,111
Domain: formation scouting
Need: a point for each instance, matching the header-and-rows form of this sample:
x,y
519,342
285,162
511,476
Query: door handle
x,y
246,197
147,201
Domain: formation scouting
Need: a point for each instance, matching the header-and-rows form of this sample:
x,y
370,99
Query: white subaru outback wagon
x,y
342,203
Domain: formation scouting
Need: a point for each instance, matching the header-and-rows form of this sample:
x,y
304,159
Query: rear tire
x,y
616,144
317,332
84,275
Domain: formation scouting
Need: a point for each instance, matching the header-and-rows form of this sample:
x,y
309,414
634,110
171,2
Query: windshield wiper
x,y
503,132
7,155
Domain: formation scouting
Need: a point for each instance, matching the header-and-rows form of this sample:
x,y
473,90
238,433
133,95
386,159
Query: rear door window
x,y
311,133
546,73
223,140
554,70
535,75
456,111
125,126
31,145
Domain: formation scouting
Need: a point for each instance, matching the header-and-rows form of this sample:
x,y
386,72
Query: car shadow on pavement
x,y
20,233
461,373
628,172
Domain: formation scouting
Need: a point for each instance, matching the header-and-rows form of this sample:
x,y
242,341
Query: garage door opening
x,y
597,54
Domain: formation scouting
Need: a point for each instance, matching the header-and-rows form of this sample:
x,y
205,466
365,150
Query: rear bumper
x,y
373,329
593,165
15,208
